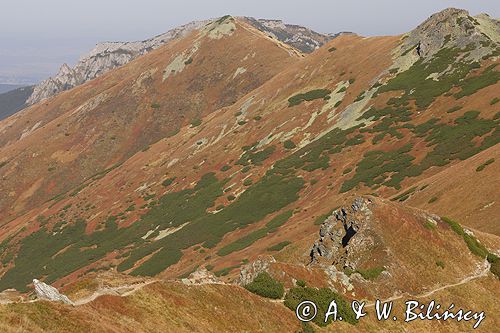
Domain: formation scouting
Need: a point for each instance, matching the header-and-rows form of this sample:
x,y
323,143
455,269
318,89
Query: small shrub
x,y
189,61
167,182
439,263
279,246
346,171
264,285
429,225
331,49
301,283
155,106
433,199
196,122
485,164
288,144
454,109
494,101
225,168
370,274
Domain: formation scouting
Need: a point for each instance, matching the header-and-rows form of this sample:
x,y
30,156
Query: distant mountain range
x,y
13,99
8,87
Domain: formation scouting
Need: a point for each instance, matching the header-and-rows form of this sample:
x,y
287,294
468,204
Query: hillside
x,y
115,303
102,123
13,101
231,152
109,55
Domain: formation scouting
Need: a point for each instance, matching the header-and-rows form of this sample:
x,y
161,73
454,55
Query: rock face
x,y
201,276
303,39
250,271
453,28
46,292
343,235
109,55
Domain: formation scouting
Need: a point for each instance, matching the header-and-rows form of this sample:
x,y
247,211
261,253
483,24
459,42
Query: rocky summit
x,y
239,167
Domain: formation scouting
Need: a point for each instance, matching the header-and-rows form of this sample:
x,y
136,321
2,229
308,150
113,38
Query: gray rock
x,y
454,28
303,39
343,234
201,276
250,271
46,292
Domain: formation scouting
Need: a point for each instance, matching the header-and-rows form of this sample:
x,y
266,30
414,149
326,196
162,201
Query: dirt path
x,y
481,271
126,290
121,291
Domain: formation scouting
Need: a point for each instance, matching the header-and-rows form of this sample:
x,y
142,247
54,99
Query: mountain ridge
x,y
108,55
283,147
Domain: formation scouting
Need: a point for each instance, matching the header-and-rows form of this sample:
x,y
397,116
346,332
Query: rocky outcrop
x,y
250,271
49,293
453,28
201,276
303,39
343,235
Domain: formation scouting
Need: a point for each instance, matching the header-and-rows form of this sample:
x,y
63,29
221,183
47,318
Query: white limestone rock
x,y
46,292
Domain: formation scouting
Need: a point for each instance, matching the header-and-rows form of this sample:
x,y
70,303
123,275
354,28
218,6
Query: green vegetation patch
x,y
254,236
485,164
418,86
264,285
381,168
167,182
316,155
454,109
66,247
254,156
196,122
472,84
308,96
474,246
278,247
405,195
288,144
465,137
370,274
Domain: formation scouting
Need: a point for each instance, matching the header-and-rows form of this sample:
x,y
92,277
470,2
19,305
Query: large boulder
x,y
49,293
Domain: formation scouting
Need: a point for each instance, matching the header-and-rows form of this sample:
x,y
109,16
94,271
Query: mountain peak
x,y
453,28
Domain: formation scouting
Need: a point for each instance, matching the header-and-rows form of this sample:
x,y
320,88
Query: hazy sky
x,y
37,36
